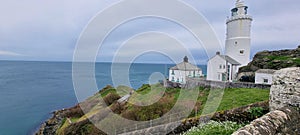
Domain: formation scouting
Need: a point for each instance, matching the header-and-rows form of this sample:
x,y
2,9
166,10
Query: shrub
x,y
215,128
256,112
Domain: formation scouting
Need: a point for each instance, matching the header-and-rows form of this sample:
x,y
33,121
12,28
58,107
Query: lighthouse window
x,y
246,10
242,52
234,11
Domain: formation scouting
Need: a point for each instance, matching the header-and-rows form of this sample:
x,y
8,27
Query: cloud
x,y
48,30
8,53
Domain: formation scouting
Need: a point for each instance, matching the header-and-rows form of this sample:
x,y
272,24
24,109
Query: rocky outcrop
x,y
52,125
269,60
273,60
285,90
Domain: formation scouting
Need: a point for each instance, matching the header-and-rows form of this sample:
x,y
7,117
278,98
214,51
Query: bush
x,y
215,128
256,112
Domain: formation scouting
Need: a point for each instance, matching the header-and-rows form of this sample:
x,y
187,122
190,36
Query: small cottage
x,y
222,68
264,76
181,71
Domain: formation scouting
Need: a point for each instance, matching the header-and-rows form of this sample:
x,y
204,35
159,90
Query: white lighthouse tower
x,y
237,46
238,40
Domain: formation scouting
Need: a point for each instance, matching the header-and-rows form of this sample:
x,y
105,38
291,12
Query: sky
x,y
36,30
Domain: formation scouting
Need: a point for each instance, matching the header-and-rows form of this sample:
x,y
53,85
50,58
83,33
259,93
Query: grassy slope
x,y
232,98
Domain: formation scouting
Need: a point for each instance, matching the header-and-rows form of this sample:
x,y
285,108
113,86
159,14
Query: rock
x,y
285,89
273,60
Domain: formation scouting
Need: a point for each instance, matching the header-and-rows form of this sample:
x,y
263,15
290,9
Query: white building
x,y
264,76
181,71
237,46
222,68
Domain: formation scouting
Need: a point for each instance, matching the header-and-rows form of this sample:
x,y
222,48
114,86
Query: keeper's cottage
x,y
237,46
183,70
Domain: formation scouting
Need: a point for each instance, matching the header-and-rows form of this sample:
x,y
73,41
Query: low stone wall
x,y
285,90
191,83
284,117
285,121
239,115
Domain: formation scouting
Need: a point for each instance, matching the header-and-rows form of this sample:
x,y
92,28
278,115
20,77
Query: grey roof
x,y
266,71
185,66
230,60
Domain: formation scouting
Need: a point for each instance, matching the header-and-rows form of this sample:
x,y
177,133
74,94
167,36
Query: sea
x,y
31,91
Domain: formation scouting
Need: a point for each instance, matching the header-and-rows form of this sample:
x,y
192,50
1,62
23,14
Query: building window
x,y
236,42
242,52
224,67
173,73
177,80
266,80
220,67
173,79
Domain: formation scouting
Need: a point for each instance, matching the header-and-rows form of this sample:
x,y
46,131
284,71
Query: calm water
x,y
30,91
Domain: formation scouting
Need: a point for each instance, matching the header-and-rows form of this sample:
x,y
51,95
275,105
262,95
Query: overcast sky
x,y
49,30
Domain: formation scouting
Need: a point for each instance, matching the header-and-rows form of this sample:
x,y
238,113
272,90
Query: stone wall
x,y
284,117
192,82
285,90
285,121
239,115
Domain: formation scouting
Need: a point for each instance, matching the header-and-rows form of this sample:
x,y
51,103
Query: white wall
x,y
181,75
213,68
259,78
238,39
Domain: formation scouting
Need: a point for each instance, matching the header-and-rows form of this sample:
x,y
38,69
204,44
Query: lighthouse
x,y
238,36
237,46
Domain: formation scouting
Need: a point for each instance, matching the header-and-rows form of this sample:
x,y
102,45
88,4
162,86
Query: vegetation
x,y
256,112
230,98
273,60
215,128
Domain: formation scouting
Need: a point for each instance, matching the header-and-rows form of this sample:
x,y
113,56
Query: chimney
x,y
186,59
218,53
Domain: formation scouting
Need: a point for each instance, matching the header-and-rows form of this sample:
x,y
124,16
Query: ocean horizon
x,y
31,90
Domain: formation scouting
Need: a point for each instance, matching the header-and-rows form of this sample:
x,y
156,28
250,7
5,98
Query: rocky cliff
x,y
270,60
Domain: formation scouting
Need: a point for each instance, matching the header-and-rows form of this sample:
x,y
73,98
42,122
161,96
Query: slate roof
x,y
230,60
266,71
186,66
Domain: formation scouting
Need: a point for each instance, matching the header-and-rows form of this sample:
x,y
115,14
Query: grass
x,y
64,125
206,102
278,57
237,97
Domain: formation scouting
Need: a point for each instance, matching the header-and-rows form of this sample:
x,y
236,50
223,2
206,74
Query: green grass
x,y
278,57
73,120
107,91
237,97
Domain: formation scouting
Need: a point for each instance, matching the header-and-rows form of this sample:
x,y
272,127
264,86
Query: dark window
x,y
246,10
234,11
266,80
242,51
